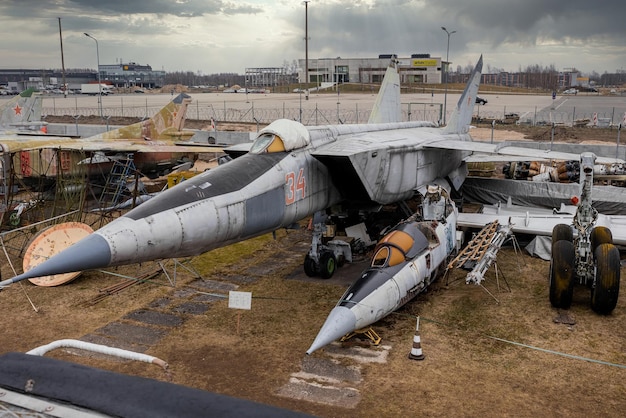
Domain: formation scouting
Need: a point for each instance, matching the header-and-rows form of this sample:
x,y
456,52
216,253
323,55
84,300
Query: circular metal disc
x,y
49,242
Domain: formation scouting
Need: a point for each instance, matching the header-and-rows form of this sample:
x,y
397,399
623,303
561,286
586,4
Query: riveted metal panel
x,y
265,211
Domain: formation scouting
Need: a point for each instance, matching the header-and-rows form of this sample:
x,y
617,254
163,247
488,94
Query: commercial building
x,y
118,75
131,74
418,68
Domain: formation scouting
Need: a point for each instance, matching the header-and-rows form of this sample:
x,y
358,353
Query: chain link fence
x,y
238,112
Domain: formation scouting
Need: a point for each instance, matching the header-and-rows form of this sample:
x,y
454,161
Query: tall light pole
x,y
62,61
306,41
98,62
445,95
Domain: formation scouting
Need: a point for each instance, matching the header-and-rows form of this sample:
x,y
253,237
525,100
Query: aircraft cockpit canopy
x,y
267,142
280,136
395,247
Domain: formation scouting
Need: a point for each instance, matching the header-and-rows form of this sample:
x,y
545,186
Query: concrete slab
x,y
155,318
191,308
132,334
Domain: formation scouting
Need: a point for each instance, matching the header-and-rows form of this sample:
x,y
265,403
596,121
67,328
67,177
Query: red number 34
x,y
295,186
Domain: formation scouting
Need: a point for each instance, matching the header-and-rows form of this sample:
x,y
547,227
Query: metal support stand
x,y
176,264
367,332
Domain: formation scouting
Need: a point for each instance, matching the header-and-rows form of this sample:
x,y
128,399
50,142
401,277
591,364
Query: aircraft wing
x,y
541,223
133,146
483,152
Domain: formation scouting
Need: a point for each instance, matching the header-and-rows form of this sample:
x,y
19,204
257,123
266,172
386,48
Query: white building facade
x,y
418,68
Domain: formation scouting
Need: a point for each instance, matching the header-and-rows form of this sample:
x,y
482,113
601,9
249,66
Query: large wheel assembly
x,y
606,290
328,265
562,274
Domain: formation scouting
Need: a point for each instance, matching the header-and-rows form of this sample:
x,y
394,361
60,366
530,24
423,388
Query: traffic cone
x,y
416,351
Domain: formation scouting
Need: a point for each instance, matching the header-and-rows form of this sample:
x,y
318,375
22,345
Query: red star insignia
x,y
17,109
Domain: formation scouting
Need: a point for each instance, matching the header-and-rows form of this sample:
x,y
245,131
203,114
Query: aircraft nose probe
x,y
340,321
91,252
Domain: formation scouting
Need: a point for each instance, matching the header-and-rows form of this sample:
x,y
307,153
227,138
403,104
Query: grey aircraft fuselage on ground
x,y
291,172
404,263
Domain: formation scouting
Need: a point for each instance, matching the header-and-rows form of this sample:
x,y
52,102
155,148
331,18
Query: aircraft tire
x,y
600,235
606,290
328,264
562,274
310,269
562,232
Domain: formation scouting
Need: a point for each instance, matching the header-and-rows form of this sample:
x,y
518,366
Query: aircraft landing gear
x,y
323,259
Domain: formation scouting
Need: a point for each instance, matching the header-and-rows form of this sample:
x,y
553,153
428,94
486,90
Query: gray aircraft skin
x,y
291,172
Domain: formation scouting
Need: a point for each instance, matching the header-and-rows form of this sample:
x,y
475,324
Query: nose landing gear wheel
x,y
310,269
328,265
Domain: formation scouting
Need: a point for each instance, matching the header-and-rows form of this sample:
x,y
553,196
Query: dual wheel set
x,y
606,261
325,268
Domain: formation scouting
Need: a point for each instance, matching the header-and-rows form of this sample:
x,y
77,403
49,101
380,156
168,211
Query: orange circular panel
x,y
49,242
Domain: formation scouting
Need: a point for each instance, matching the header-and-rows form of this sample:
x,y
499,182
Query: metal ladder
x,y
116,181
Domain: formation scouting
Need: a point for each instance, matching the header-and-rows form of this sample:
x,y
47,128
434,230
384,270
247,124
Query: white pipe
x,y
97,348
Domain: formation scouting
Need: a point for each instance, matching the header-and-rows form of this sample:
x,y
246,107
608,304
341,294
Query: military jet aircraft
x,y
155,143
291,172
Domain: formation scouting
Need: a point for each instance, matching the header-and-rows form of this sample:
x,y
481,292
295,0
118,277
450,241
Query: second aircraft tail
x,y
166,124
462,115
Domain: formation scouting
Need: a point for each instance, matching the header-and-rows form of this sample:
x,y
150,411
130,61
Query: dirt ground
x,y
492,354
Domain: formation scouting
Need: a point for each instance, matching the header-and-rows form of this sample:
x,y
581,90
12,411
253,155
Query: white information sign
x,y
239,300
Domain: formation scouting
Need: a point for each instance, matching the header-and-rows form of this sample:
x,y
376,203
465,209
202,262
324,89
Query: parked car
x,y
481,101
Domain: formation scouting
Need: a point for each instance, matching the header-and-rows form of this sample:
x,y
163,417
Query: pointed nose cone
x,y
89,253
340,321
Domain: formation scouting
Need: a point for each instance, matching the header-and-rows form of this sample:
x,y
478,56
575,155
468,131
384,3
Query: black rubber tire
x,y
562,274
562,232
328,265
310,268
606,290
600,235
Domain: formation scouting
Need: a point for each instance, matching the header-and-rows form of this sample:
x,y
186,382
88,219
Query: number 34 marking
x,y
295,186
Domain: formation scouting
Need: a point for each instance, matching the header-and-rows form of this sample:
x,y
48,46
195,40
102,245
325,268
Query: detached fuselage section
x,y
405,262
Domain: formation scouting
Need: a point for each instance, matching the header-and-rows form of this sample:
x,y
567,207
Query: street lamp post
x,y
98,62
445,95
306,41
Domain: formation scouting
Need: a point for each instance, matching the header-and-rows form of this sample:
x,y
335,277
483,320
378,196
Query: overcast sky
x,y
212,36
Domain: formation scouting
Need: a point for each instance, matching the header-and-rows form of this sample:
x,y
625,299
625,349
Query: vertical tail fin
x,y
25,107
166,124
387,106
462,116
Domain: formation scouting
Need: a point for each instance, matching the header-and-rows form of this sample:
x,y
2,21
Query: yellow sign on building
x,y
423,63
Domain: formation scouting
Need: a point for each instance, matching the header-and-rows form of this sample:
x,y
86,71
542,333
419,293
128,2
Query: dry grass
x,y
465,373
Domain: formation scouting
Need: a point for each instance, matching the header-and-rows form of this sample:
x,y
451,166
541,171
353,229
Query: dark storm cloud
x,y
510,32
359,29
113,8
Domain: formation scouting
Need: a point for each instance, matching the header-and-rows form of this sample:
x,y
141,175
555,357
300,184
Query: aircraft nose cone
x,y
340,321
89,253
